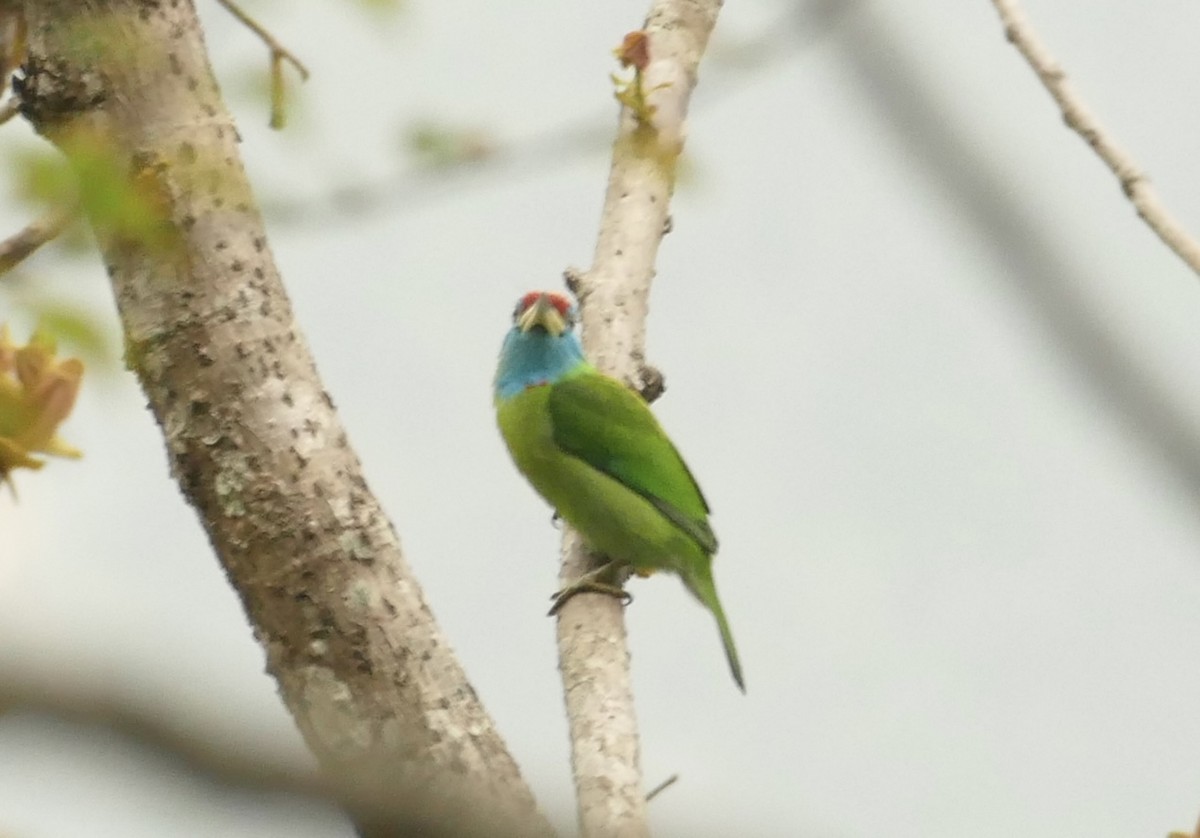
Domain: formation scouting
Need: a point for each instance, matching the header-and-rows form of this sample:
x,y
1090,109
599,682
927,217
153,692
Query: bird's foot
x,y
590,583
560,598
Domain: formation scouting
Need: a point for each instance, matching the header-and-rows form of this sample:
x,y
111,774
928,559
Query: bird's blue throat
x,y
529,359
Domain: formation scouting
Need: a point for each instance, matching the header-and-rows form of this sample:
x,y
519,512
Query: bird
x,y
592,448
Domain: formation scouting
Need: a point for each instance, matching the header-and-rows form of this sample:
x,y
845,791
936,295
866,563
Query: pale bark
x,y
613,296
1079,118
251,435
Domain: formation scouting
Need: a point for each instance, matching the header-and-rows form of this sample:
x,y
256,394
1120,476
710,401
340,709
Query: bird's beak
x,y
542,313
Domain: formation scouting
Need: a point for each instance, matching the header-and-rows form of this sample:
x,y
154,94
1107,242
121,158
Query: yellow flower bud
x,y
37,392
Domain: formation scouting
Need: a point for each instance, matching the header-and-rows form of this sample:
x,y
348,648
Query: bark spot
x,y
333,718
230,485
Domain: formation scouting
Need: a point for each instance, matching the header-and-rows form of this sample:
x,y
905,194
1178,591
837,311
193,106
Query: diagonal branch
x,y
251,435
219,758
21,245
593,655
1079,118
279,54
745,62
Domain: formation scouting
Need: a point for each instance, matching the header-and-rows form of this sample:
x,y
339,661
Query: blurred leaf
x,y
37,393
440,146
43,176
124,206
81,329
381,8
76,240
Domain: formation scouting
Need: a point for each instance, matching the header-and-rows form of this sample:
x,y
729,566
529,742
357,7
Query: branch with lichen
x,y
613,293
278,55
1080,119
251,435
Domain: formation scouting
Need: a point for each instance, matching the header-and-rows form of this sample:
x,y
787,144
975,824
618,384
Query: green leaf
x,y
81,329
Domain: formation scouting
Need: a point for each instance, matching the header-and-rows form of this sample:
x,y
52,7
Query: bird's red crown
x,y
557,300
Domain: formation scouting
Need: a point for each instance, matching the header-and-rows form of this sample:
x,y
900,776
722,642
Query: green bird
x,y
592,448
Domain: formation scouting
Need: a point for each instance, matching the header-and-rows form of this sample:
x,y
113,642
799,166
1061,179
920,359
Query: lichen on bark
x,y
124,88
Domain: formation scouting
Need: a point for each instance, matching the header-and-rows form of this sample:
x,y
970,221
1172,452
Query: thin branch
x,y
1045,276
279,54
20,246
593,656
1079,118
661,787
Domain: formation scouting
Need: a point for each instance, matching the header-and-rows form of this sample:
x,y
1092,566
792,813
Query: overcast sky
x,y
934,375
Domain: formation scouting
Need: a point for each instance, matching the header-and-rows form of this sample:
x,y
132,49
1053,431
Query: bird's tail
x,y
701,584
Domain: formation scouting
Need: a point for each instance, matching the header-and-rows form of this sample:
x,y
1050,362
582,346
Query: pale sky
x,y
935,377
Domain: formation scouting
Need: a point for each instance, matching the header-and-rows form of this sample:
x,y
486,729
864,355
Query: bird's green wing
x,y
602,422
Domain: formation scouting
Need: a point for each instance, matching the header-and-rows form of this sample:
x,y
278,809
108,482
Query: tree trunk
x,y
124,88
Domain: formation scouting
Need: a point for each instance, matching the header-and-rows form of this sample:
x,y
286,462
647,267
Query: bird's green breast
x,y
614,519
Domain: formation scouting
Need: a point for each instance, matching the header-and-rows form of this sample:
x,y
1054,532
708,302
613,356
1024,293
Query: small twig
x,y
1079,118
661,787
279,54
16,248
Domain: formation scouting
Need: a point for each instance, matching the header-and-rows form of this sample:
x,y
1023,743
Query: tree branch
x,y
593,655
124,88
413,187
1079,118
279,54
20,246
230,762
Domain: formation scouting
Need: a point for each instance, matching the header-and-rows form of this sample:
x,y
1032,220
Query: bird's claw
x,y
587,586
